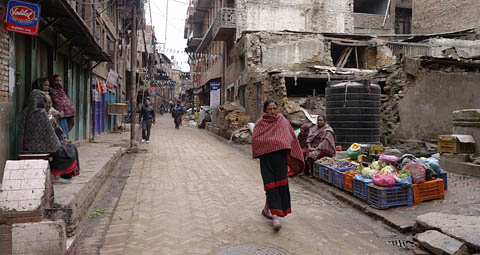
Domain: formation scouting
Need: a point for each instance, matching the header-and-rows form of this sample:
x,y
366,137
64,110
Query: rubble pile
x,y
242,136
294,109
229,117
390,115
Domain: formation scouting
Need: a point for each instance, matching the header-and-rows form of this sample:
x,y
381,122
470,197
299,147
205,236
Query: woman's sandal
x,y
276,224
266,215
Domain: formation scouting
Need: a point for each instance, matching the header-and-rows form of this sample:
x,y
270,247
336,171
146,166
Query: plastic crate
x,y
336,177
384,198
325,173
360,188
348,181
443,175
429,190
317,170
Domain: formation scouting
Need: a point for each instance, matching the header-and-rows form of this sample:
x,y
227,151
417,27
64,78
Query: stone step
x,y
440,244
463,228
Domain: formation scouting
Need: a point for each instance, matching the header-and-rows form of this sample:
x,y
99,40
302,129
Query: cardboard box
x,y
456,143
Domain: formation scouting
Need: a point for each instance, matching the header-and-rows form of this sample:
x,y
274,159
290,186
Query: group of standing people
x,y
44,128
277,147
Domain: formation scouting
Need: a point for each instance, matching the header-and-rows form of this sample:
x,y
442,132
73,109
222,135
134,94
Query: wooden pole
x,y
133,77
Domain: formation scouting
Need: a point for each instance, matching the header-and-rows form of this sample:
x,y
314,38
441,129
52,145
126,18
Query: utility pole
x,y
133,78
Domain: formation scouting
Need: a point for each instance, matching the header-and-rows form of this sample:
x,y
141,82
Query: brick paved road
x,y
193,194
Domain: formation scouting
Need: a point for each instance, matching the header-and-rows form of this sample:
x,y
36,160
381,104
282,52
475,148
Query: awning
x,y
65,20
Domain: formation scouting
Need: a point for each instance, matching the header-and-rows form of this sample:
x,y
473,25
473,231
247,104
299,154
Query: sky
x,y
177,13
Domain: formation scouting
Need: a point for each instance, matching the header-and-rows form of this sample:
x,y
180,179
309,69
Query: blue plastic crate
x,y
325,173
383,198
336,174
360,187
443,175
336,177
317,170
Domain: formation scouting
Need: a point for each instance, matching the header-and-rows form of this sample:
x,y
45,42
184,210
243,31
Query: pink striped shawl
x,y
273,133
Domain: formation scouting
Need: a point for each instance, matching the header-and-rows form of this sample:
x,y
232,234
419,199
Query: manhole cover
x,y
251,250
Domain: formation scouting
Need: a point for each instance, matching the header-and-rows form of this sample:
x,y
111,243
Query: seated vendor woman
x,y
37,135
320,142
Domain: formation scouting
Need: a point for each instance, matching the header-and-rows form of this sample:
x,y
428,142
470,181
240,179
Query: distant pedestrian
x,y
275,144
177,113
147,118
62,103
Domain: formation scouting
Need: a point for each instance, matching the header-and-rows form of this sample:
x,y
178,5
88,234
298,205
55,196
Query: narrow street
x,y
192,193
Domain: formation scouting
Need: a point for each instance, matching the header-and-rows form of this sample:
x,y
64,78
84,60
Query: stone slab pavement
x,y
191,193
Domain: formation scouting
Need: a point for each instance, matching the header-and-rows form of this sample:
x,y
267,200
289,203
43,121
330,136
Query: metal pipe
x,y
386,13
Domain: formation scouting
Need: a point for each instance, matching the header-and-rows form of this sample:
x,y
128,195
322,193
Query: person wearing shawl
x,y
37,135
302,139
320,142
62,103
275,144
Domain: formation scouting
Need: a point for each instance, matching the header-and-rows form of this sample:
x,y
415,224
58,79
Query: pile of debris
x,y
301,110
229,117
242,136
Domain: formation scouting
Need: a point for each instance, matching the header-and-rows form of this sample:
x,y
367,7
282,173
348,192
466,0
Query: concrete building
x,y
440,16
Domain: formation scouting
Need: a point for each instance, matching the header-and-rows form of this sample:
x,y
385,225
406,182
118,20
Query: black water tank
x,y
354,112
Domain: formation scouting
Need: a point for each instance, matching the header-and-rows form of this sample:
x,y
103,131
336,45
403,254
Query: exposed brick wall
x,y
6,239
4,63
298,15
437,16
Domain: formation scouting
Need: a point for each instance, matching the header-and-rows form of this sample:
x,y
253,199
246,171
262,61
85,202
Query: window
x,y
370,6
403,21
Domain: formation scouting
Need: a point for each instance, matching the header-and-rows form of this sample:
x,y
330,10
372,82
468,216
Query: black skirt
x,y
275,180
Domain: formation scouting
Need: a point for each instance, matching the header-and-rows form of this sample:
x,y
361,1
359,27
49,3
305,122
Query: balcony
x,y
222,28
194,40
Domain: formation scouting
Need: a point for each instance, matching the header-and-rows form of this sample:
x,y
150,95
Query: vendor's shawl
x,y
61,102
302,137
319,139
273,133
36,132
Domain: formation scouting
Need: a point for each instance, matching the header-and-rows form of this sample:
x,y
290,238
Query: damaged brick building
x,y
292,62
265,45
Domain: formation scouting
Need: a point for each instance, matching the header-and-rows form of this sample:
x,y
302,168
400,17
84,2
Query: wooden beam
x,y
49,24
78,53
65,43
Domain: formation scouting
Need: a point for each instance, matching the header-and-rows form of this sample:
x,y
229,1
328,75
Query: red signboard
x,y
23,17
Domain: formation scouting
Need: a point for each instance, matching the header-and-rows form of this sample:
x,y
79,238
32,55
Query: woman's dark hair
x,y
55,76
322,116
269,101
38,84
148,99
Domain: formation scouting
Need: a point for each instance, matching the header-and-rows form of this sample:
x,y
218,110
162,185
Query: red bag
x,y
417,172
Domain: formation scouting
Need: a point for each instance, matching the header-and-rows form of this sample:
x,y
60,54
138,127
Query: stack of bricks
x,y
25,193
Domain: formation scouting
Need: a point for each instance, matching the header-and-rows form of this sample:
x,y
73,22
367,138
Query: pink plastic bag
x,y
387,159
384,180
417,172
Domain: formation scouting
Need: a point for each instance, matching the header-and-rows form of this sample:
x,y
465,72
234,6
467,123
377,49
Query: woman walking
x,y
275,144
320,142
